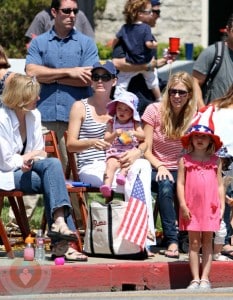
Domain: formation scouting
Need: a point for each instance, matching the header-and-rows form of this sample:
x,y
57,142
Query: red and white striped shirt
x,y
165,149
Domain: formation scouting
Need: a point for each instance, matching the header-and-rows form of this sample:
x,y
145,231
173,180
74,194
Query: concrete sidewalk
x,y
102,275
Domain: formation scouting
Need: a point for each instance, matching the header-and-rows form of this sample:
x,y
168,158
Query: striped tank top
x,y
90,129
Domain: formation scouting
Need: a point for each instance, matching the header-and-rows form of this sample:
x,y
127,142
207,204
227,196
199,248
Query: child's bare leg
x,y
111,166
194,256
124,171
207,251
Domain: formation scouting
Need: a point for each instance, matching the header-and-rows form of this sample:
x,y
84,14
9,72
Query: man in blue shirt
x,y
61,59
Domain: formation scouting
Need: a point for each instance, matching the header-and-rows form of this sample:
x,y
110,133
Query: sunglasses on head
x,y
68,11
104,77
181,93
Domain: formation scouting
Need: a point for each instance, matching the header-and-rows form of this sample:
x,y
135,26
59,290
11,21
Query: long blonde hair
x,y
174,126
20,91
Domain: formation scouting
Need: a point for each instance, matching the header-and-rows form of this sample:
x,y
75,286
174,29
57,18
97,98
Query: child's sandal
x,y
194,285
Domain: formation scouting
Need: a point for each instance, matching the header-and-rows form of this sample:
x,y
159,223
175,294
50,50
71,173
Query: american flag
x,y
134,225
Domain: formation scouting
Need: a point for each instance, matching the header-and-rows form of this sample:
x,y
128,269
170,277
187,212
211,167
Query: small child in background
x,y
219,239
139,44
201,197
223,238
124,131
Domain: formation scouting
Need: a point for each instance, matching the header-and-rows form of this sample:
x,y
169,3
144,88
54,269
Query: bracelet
x,y
160,166
142,152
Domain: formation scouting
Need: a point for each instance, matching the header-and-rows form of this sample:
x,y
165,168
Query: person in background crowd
x,y
139,44
164,123
44,21
224,111
137,84
61,59
224,78
87,126
23,160
29,201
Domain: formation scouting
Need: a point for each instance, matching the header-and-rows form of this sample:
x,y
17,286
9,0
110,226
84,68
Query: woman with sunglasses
x,y
164,123
87,125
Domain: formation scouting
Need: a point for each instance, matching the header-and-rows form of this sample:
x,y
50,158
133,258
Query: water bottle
x,y
40,247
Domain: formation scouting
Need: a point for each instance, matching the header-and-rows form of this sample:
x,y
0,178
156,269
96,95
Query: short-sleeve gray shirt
x,y
224,78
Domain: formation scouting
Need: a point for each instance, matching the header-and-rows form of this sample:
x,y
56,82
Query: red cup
x,y
174,44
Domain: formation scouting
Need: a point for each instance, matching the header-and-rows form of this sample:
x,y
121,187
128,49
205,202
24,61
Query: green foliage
x,y
100,5
105,51
15,18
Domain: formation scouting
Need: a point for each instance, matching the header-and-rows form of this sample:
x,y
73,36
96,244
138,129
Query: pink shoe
x,y
106,190
120,179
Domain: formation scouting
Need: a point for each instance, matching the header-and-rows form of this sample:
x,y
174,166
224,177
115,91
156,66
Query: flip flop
x,y
60,236
61,232
73,255
228,253
172,253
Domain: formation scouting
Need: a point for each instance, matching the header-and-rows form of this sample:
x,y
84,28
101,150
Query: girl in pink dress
x,y
201,197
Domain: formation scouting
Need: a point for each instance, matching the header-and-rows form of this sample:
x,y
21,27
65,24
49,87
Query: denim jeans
x,y
46,177
166,194
227,218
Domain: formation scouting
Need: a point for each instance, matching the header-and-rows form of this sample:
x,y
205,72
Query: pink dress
x,y
201,195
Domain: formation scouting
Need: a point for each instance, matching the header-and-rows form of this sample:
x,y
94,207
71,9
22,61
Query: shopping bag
x,y
101,237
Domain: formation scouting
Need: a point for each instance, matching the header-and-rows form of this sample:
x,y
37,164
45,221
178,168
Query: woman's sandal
x,y
73,255
172,253
68,251
62,232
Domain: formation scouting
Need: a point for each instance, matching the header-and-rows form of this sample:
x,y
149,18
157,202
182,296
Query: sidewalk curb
x,y
81,277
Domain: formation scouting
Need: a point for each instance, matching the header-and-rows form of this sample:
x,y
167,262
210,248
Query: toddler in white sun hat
x,y
124,132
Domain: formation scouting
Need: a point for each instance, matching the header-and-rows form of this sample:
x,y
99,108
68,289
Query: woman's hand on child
x,y
101,144
129,157
163,173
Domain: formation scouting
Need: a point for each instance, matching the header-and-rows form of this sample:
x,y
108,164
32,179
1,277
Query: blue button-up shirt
x,y
76,50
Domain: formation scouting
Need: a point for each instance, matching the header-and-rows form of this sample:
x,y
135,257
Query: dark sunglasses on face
x,y
156,11
68,11
104,77
181,93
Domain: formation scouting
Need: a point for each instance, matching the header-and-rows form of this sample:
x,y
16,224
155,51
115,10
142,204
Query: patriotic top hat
x,y
202,124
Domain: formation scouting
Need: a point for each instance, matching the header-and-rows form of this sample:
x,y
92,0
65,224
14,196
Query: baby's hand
x,y
119,131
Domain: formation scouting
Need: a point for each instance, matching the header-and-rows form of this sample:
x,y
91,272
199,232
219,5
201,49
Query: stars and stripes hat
x,y
202,124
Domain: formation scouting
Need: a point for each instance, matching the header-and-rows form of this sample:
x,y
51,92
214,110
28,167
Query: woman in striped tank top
x,y
164,123
87,126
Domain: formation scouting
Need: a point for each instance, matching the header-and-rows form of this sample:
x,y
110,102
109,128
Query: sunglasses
x,y
104,77
68,11
181,93
156,11
148,12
